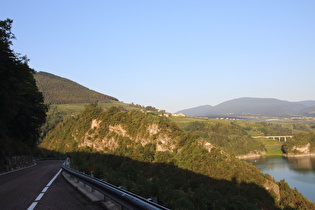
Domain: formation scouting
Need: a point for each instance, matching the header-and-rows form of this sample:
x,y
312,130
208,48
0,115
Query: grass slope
x,y
273,146
79,107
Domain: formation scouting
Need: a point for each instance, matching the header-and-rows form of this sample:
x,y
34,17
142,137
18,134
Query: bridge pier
x,y
279,137
275,137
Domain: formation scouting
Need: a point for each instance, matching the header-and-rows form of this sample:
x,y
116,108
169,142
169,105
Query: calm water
x,y
298,172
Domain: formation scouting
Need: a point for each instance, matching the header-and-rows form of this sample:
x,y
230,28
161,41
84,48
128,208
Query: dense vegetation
x,y
148,154
235,136
303,143
22,111
59,90
271,129
152,156
292,198
54,116
232,137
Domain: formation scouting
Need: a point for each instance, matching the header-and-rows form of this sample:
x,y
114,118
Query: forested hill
x,y
58,90
153,157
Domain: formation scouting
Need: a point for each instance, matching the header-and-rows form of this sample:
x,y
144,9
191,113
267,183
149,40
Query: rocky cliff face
x,y
149,138
271,186
301,151
110,141
300,145
104,132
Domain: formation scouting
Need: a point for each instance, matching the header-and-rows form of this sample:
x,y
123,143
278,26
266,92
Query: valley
x,y
139,149
186,162
144,148
204,157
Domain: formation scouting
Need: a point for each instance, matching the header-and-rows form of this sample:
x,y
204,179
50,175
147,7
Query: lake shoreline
x,y
244,157
299,155
297,171
253,156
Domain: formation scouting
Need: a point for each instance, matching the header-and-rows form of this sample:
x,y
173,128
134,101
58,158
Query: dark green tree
x,y
22,108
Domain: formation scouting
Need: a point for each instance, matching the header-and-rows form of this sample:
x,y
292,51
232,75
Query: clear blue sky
x,y
172,54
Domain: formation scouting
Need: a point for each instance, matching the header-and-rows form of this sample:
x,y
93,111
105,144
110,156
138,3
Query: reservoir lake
x,y
298,172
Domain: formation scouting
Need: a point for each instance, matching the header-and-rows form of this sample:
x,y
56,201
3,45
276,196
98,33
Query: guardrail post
x,y
123,187
154,199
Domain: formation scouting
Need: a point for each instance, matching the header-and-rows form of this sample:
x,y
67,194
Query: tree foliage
x,y
232,137
270,129
54,116
306,140
22,111
183,175
292,198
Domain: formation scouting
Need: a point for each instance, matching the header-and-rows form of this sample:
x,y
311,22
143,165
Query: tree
x,y
22,108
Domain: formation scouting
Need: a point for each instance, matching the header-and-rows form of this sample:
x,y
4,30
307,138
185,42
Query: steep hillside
x,y
301,144
267,106
230,136
58,90
153,157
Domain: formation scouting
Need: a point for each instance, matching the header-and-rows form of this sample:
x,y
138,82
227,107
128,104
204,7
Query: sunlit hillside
x,y
152,156
58,90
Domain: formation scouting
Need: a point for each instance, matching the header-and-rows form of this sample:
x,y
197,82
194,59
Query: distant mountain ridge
x,y
268,106
58,90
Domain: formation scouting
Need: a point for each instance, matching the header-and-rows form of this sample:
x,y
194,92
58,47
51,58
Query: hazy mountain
x,y
201,110
258,106
309,110
307,103
268,106
58,90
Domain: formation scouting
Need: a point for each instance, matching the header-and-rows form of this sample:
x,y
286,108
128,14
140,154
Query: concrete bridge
x,y
273,137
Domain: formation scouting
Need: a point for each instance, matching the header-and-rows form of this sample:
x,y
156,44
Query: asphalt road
x,y
19,189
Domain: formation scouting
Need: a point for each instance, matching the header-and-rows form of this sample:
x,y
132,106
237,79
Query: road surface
x,y
20,189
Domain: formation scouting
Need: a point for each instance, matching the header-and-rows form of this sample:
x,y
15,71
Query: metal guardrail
x,y
124,198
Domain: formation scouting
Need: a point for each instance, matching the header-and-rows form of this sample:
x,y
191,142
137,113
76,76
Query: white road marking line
x,y
45,189
39,197
32,206
53,179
